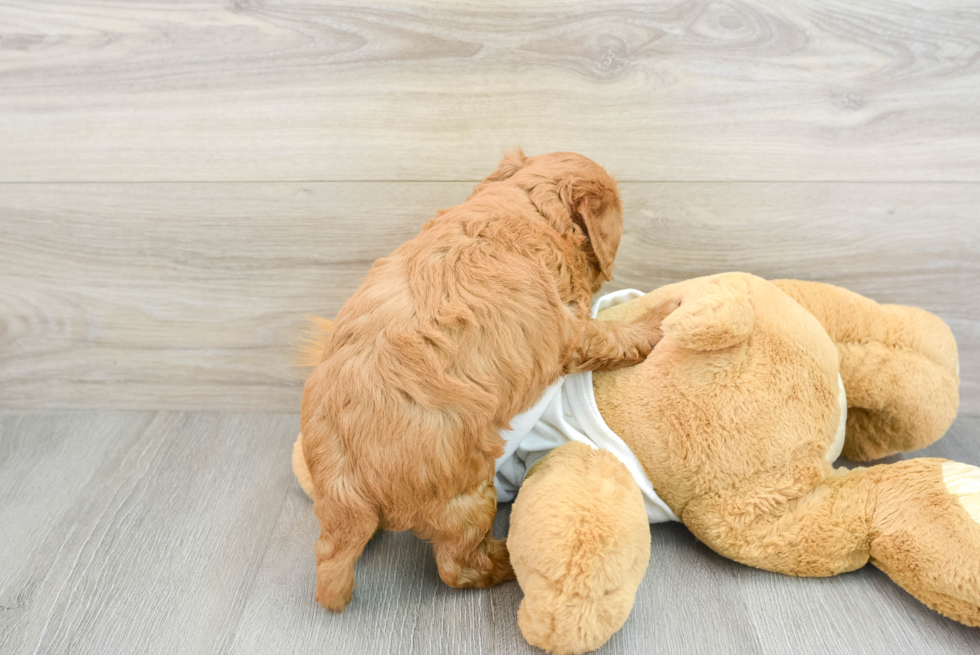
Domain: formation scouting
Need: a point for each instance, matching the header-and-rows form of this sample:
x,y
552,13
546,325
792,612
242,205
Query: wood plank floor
x,y
173,532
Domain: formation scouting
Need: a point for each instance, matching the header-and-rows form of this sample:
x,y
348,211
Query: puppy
x,y
446,340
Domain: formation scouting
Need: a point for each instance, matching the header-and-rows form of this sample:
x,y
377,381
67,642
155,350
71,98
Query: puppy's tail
x,y
311,347
300,469
309,353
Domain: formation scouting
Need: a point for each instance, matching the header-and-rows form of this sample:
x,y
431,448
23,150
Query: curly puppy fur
x,y
445,341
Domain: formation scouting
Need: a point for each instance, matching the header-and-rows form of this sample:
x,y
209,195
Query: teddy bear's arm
x,y
579,543
917,520
899,366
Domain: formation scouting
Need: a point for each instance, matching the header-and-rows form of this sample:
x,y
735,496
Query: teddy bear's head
x,y
745,380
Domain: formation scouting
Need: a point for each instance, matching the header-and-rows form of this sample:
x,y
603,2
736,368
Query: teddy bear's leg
x,y
917,520
899,366
579,543
927,535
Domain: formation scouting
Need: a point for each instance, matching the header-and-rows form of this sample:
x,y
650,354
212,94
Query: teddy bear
x,y
732,426
735,420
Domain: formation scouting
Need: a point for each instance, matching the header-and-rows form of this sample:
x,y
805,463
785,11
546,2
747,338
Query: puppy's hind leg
x,y
461,533
346,525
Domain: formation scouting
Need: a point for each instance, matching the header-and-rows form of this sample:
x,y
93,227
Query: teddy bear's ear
x,y
711,322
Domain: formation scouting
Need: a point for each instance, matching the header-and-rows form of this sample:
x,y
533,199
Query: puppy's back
x,y
445,340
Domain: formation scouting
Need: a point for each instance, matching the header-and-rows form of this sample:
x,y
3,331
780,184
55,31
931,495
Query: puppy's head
x,y
569,187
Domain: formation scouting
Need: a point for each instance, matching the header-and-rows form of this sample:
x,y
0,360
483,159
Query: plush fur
x,y
902,365
583,561
732,417
446,340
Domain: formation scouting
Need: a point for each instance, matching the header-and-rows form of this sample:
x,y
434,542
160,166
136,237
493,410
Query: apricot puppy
x,y
446,340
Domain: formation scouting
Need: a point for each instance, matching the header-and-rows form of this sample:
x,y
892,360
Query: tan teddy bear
x,y
731,426
736,420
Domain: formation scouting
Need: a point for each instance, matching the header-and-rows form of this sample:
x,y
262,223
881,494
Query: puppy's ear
x,y
594,204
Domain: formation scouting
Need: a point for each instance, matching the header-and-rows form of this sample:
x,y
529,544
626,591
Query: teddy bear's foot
x,y
931,546
580,544
916,520
963,482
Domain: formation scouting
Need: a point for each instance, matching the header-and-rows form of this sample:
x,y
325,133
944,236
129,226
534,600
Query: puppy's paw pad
x,y
963,481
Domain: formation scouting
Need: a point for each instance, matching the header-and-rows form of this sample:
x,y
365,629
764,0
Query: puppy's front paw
x,y
651,323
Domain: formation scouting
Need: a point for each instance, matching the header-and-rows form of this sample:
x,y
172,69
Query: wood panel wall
x,y
182,182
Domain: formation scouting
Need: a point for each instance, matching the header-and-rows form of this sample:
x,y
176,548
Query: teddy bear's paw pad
x,y
963,481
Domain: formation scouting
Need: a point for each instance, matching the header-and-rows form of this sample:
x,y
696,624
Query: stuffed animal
x,y
736,419
731,426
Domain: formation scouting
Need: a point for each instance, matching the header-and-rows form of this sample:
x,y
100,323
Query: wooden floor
x,y
174,532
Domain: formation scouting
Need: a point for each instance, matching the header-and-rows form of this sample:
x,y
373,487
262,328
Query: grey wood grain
x,y
193,296
151,544
399,605
45,463
143,532
419,90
